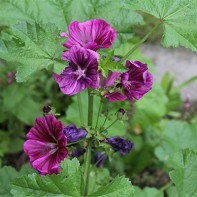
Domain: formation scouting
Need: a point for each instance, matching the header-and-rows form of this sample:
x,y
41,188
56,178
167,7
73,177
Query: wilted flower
x,y
133,84
46,145
92,34
78,152
73,134
81,72
99,159
120,144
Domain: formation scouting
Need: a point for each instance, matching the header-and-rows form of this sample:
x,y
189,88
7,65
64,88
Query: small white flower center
x,y
80,72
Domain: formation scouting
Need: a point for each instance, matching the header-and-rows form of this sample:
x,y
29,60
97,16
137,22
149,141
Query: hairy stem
x,y
89,145
166,186
139,43
80,109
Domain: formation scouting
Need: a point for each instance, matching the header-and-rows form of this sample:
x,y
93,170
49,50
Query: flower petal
x,y
115,96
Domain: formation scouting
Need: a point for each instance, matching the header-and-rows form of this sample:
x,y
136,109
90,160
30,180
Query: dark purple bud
x,y
119,85
78,152
121,111
116,59
120,144
99,159
46,109
73,134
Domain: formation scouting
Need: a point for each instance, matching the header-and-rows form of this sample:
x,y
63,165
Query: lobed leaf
x,y
34,47
178,18
185,174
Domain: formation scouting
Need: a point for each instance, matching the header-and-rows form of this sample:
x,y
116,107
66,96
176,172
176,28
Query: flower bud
x,y
120,144
78,152
99,159
46,109
73,134
120,113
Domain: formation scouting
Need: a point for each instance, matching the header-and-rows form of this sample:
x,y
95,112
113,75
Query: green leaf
x,y
120,186
178,18
68,183
148,192
7,174
34,47
98,177
151,108
22,106
107,64
60,12
185,174
176,135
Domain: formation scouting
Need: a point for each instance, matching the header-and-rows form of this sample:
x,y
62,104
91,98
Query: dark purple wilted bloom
x,y
133,84
78,152
92,34
99,159
46,109
120,144
81,72
73,134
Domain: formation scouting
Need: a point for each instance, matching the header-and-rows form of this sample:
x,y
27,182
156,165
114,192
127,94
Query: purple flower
x,y
46,109
99,159
133,84
120,144
73,134
137,81
81,72
78,152
92,34
46,145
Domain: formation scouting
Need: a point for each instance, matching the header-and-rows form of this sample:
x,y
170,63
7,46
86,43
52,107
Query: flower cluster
x,y
47,140
84,40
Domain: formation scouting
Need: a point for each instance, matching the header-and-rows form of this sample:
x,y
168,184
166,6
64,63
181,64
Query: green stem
x,y
89,145
105,119
69,144
80,109
111,124
139,43
166,186
99,111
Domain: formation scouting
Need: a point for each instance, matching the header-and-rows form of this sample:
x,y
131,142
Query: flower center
x,y
80,72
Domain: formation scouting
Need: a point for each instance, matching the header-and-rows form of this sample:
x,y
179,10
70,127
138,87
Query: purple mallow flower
x,y
133,84
46,145
99,159
81,72
92,34
78,152
120,144
73,134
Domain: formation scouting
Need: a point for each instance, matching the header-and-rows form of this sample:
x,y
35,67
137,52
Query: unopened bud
x,y
46,109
